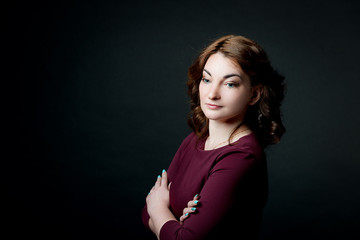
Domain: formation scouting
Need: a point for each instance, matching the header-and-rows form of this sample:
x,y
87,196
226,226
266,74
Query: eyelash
x,y
233,85
205,80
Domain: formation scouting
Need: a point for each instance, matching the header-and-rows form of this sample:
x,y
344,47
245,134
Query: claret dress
x,y
233,188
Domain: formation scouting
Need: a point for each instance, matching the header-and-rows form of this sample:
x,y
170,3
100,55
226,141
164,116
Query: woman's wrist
x,y
158,210
158,217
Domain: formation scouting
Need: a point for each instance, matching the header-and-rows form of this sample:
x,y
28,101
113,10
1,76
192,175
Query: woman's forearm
x,y
158,203
151,226
158,218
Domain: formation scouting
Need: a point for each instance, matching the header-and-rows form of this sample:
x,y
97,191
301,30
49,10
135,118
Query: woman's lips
x,y
213,106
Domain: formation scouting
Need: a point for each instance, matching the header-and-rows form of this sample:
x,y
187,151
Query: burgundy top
x,y
231,182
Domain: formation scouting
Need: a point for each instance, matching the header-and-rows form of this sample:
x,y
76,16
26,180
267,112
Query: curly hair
x,y
264,117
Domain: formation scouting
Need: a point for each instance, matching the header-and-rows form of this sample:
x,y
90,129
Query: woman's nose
x,y
214,93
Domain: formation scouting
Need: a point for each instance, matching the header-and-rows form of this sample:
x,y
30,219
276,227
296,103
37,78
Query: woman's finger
x,y
186,213
189,210
164,179
183,217
193,203
158,182
197,197
169,186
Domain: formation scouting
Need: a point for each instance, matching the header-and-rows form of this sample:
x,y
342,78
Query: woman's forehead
x,y
219,64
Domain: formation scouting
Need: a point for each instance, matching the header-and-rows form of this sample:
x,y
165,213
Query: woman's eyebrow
x,y
207,72
226,76
232,75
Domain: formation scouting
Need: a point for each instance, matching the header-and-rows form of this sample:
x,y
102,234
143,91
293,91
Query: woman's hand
x,y
191,208
158,197
158,203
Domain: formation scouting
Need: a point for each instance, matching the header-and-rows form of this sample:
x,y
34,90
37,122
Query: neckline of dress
x,y
202,145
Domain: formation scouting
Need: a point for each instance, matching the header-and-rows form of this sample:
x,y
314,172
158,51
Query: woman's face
x,y
225,90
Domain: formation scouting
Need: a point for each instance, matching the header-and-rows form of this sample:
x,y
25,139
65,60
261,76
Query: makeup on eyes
x,y
225,77
232,84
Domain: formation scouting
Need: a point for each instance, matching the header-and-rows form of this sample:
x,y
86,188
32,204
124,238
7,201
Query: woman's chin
x,y
230,120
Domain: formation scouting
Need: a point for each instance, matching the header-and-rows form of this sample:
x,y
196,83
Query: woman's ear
x,y
257,92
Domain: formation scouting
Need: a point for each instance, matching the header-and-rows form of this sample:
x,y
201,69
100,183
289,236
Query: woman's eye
x,y
231,85
206,80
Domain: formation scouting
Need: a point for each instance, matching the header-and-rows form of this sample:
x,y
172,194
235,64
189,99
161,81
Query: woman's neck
x,y
220,132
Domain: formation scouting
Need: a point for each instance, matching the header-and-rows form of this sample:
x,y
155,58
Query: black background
x,y
96,107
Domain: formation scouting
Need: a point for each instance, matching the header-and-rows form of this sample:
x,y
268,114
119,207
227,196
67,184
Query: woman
x,y
235,114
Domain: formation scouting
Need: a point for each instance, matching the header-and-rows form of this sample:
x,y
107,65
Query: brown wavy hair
x,y
264,117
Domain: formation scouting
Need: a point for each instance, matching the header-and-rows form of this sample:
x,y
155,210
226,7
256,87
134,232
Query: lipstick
x,y
213,106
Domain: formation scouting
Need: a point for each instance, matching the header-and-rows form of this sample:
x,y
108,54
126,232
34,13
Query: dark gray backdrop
x,y
97,105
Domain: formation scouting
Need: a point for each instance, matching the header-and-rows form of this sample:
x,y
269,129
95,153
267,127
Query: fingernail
x,y
149,193
186,214
163,171
196,201
196,195
193,209
159,176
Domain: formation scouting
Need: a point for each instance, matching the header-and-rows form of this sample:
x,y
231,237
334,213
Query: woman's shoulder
x,y
242,155
247,145
190,137
188,141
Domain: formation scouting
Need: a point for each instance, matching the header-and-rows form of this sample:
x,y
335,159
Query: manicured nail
x,y
149,193
196,195
163,171
159,176
186,214
193,209
196,201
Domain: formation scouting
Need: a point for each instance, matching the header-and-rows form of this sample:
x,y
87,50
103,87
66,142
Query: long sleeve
x,y
232,183
174,165
227,182
145,217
